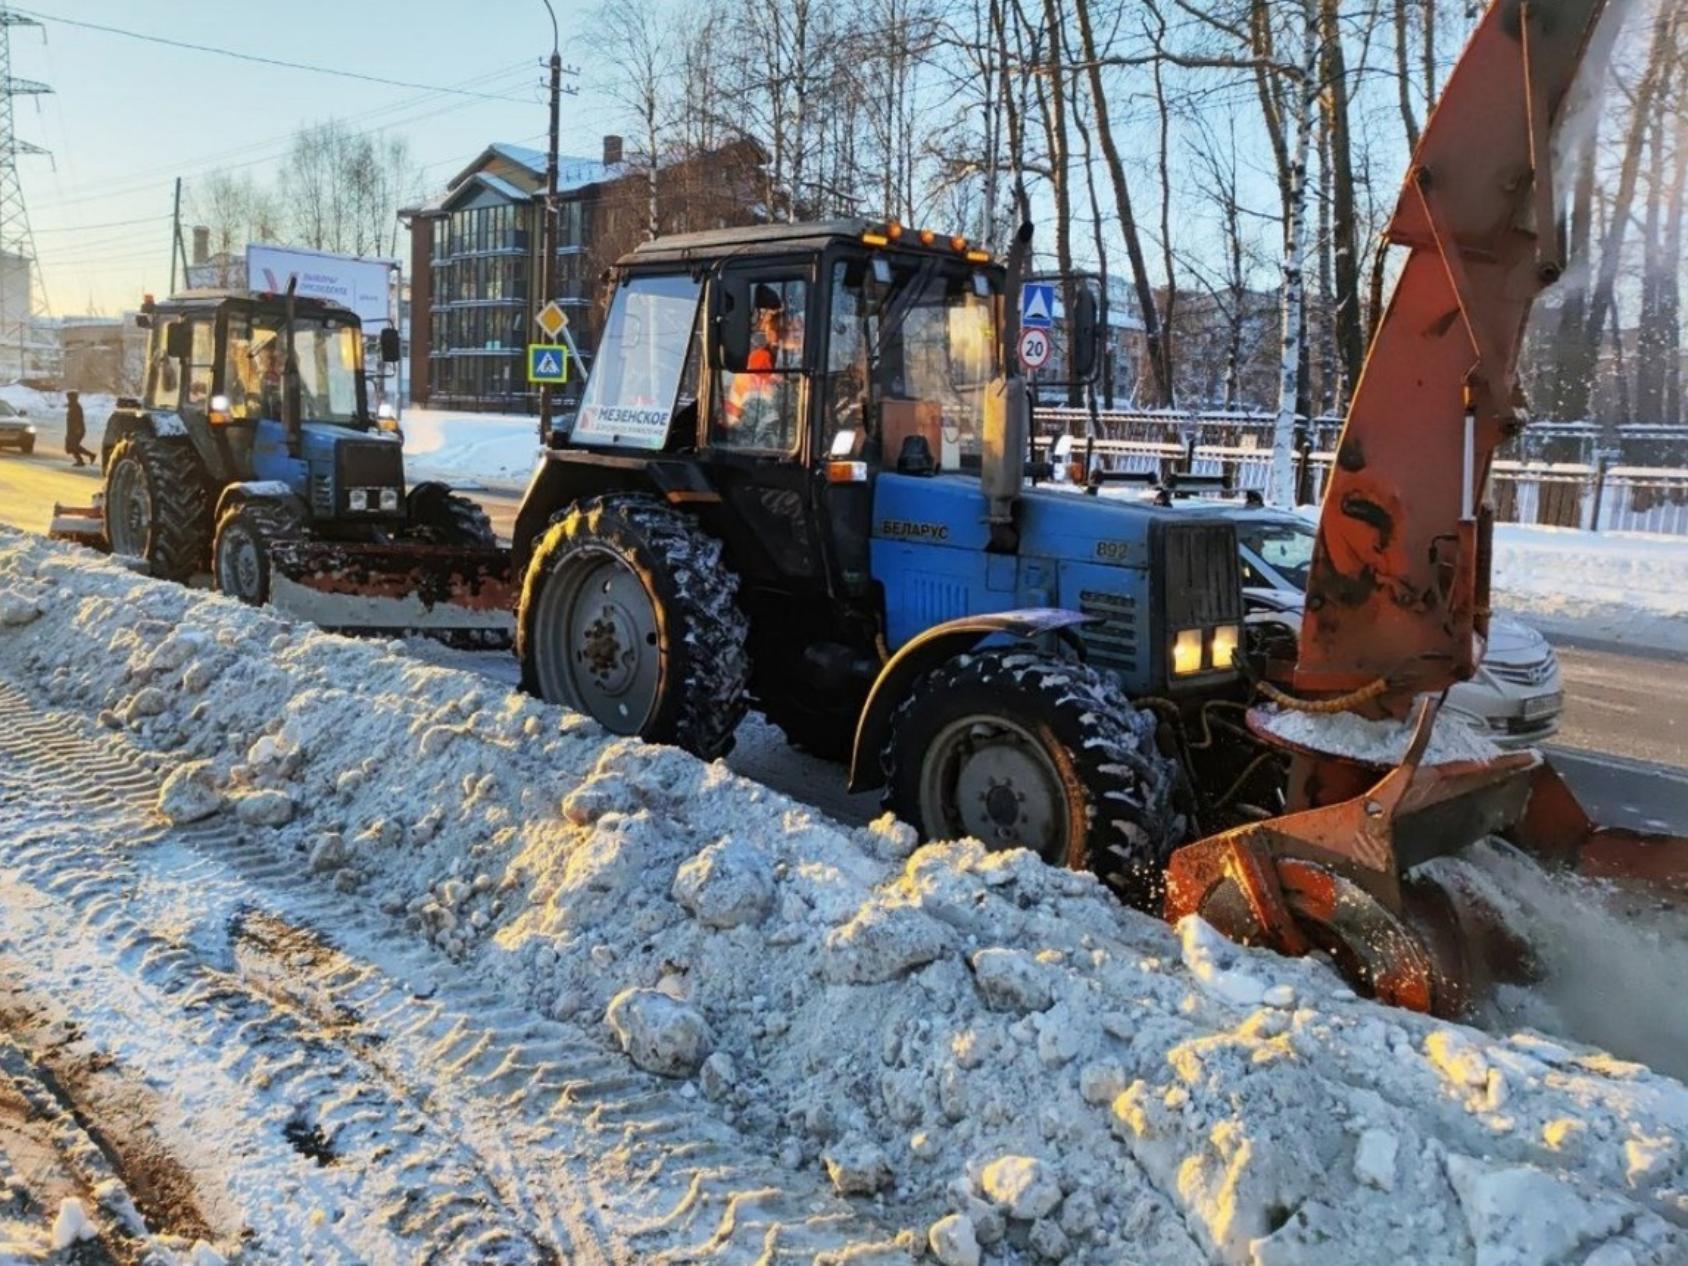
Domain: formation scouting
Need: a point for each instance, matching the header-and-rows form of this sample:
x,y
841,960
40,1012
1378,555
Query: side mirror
x,y
1086,336
731,317
390,347
178,340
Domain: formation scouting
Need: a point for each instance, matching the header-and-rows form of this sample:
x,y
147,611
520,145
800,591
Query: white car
x,y
1517,697
15,430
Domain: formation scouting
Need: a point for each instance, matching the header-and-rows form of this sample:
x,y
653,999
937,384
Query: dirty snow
x,y
1378,742
981,1051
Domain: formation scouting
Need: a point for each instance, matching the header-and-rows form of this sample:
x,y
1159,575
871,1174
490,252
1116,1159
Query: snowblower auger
x,y
1400,580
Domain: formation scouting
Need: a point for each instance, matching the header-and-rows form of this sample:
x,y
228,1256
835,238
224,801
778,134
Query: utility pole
x,y
176,235
17,242
548,238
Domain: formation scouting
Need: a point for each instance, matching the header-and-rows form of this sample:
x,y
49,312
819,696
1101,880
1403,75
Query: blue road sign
x,y
1037,305
547,362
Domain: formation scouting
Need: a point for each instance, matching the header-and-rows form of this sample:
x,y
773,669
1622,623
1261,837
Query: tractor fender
x,y
919,655
256,490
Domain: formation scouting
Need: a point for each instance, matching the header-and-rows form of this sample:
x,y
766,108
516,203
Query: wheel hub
x,y
607,651
990,779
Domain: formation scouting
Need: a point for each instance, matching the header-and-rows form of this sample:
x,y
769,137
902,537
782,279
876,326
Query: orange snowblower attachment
x,y
1398,595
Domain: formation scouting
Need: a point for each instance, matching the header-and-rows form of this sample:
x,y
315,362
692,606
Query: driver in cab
x,y
753,409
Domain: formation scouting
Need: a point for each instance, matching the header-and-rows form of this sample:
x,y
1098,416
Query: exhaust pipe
x,y
1007,420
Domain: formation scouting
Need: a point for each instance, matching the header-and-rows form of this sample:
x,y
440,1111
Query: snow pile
x,y
469,448
1625,586
1379,742
989,1049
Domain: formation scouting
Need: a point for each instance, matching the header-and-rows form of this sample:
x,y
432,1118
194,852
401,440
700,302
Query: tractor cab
x,y
798,479
270,388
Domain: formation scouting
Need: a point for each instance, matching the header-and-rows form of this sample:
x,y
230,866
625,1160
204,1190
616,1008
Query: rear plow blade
x,y
83,524
1340,877
462,596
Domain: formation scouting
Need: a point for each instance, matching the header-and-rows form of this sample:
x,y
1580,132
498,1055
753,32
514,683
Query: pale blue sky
x,y
127,117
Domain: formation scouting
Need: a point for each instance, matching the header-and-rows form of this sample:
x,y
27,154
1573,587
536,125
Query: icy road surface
x,y
315,953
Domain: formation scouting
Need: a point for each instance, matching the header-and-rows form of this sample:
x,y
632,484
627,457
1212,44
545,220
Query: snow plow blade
x,y
463,596
1336,877
83,524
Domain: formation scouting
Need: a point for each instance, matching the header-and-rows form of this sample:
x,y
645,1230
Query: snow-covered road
x,y
339,957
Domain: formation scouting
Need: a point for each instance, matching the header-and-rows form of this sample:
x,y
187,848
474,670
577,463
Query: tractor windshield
x,y
912,348
330,357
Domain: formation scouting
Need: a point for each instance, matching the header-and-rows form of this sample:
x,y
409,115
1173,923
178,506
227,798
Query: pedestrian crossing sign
x,y
547,363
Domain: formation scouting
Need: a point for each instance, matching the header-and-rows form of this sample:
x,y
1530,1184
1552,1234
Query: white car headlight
x,y
359,499
389,498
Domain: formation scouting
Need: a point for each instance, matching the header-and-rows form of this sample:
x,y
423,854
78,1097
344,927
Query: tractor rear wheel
x,y
1020,750
442,517
241,560
157,505
628,614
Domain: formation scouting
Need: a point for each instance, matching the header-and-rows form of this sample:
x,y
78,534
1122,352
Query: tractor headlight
x,y
1187,652
358,499
389,498
1223,646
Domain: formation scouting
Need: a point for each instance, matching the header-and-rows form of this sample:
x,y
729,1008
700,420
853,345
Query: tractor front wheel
x,y
628,615
1020,750
241,556
442,517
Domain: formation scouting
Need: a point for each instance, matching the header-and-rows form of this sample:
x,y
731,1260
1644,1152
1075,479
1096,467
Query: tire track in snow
x,y
579,1155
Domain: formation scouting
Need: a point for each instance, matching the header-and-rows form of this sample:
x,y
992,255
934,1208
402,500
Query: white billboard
x,y
349,280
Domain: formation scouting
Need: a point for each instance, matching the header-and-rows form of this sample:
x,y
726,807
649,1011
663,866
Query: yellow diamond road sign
x,y
552,319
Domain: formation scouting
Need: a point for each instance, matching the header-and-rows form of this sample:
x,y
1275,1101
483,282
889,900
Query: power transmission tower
x,y
22,296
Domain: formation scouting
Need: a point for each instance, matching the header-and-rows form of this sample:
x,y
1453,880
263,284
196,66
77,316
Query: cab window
x,y
202,365
644,361
164,382
758,410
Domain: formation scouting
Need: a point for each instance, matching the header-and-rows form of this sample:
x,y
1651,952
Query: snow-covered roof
x,y
573,172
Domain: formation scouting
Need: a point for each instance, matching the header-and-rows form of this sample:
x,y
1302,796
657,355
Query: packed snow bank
x,y
469,448
989,1049
1380,742
1620,586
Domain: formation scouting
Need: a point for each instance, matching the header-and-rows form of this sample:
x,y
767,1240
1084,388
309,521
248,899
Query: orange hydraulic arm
x,y
1398,597
1400,578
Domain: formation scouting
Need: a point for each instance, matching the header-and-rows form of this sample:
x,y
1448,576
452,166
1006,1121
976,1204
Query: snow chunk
x,y
953,1241
882,942
1206,953
265,808
1380,742
190,793
857,1167
658,1033
1012,980
727,884
1023,1185
1521,1216
72,1225
17,609
1374,1159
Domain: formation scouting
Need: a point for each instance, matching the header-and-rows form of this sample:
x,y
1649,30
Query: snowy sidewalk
x,y
469,449
823,1036
1615,586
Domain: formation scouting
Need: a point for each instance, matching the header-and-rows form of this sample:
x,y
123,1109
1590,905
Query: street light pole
x,y
548,236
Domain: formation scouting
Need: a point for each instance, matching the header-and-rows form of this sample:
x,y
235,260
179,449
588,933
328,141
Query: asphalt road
x,y
1623,747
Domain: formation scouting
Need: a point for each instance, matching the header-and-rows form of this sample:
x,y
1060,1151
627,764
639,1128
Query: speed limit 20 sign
x,y
1034,347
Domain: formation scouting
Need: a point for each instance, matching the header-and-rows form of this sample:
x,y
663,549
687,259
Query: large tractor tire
x,y
442,517
241,562
628,615
1020,750
157,505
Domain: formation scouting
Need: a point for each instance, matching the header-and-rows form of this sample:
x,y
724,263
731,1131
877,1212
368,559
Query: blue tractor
x,y
254,454
798,479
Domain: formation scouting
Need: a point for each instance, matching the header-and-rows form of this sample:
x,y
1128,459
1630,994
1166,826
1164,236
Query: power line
x,y
266,61
109,224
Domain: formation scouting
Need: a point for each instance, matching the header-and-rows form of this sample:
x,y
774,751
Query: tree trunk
x,y
1152,331
1403,74
1350,332
1281,490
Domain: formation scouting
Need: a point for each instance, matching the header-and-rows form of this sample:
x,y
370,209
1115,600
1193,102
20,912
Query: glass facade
x,y
484,292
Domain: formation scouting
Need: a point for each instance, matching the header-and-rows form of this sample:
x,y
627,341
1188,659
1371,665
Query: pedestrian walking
x,y
75,429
